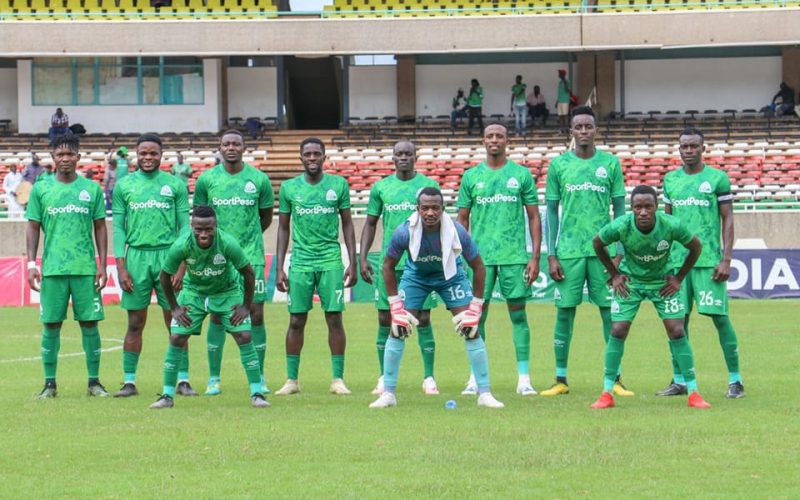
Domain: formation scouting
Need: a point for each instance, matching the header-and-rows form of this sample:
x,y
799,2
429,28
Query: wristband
x,y
32,265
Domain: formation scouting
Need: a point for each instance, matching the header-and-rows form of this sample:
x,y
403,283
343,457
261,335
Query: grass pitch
x,y
316,444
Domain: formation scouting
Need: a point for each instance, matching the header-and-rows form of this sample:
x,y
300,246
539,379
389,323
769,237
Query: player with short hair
x,y
395,199
583,182
435,245
68,210
218,280
150,209
243,199
493,201
700,196
647,237
313,203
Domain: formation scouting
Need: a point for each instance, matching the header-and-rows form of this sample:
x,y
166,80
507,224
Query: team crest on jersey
x,y
219,259
479,185
84,196
512,183
556,294
614,306
250,188
166,191
191,261
705,187
601,173
662,245
331,195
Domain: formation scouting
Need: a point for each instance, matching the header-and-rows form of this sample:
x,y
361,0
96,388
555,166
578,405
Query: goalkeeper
x,y
434,243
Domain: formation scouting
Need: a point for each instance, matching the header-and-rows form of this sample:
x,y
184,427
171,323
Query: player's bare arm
x,y
722,271
178,312
265,215
618,281
555,270
618,208
32,244
350,278
535,229
389,278
367,237
478,276
242,311
101,240
281,280
674,282
463,217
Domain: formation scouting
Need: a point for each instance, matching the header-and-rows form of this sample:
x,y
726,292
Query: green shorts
x,y
260,295
55,294
711,296
578,272
511,281
382,298
200,306
144,267
328,285
625,309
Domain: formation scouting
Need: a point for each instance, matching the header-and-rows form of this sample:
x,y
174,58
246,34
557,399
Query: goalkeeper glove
x,y
402,320
467,321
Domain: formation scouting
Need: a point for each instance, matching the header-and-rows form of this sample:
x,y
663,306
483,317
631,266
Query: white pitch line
x,y
67,355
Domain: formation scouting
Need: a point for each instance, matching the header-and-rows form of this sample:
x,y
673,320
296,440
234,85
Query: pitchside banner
x,y
755,274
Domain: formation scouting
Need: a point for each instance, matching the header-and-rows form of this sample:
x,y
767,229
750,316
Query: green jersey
x,y
67,213
209,271
564,90
182,171
497,199
314,209
695,200
646,260
149,209
122,167
518,91
475,97
396,200
584,188
237,199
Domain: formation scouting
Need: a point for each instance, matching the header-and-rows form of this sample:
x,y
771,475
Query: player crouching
x,y
435,244
210,286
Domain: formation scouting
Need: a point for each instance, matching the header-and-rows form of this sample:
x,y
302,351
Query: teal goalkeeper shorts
x,y
625,309
144,266
200,306
55,294
415,290
711,296
382,297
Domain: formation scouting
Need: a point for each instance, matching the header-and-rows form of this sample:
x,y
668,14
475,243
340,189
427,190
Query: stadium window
x,y
374,60
117,81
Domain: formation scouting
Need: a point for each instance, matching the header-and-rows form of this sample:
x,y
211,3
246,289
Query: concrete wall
x,y
777,230
127,119
252,92
373,91
681,84
8,95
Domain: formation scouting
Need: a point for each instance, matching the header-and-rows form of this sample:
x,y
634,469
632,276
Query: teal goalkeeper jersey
x,y
646,260
67,213
395,200
695,200
209,271
148,210
497,199
584,189
237,199
314,209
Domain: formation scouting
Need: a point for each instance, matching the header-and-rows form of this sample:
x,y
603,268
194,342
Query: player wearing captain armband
x,y
435,246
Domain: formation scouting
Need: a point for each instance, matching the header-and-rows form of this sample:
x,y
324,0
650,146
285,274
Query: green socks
x,y
249,358
171,362
685,359
337,365
130,360
292,366
605,317
615,348
183,367
482,322
427,347
521,333
730,346
51,344
215,343
562,336
90,338
259,335
380,343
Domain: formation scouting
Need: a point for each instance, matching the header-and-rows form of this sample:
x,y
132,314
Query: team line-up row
x,y
213,265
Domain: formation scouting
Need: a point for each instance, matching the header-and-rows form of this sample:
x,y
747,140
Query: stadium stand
x,y
27,10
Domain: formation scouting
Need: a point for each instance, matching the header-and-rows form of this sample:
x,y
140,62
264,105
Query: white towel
x,y
451,245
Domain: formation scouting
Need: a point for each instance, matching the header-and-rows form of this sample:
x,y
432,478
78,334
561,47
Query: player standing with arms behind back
x,y
700,196
493,200
68,210
395,199
242,197
584,182
313,203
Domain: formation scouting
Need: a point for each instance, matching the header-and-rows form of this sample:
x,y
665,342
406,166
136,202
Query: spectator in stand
x,y
182,170
786,105
123,168
33,170
562,102
10,183
59,124
110,180
475,105
537,107
459,108
519,106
